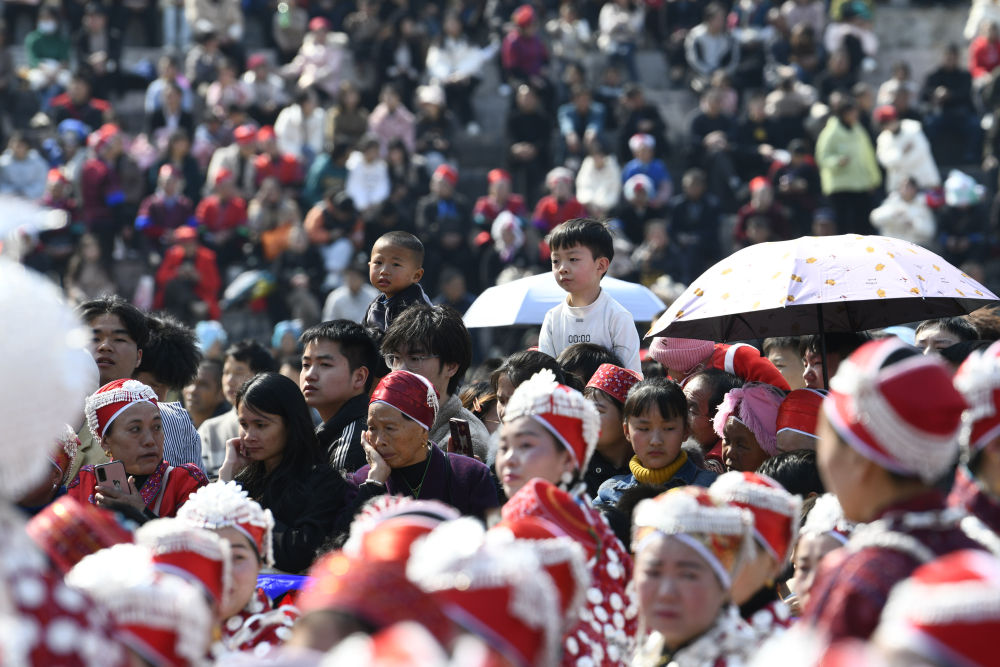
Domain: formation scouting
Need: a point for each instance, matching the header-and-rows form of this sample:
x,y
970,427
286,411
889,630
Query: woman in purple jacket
x,y
403,461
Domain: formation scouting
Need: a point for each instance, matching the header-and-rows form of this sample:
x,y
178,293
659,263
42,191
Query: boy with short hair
x,y
582,250
783,352
338,365
395,270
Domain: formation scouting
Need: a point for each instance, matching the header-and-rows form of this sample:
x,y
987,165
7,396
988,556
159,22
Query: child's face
x,y
611,419
576,270
657,441
392,268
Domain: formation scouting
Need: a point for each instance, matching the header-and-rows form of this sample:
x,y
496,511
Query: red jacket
x,y
165,490
216,215
100,189
486,210
984,56
285,168
549,212
208,286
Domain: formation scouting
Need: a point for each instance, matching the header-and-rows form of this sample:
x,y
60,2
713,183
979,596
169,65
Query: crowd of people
x,y
248,425
275,145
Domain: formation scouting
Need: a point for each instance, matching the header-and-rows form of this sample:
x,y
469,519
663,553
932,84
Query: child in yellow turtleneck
x,y
655,422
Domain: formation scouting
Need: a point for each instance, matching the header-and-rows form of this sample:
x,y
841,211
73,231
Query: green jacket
x,y
861,172
40,46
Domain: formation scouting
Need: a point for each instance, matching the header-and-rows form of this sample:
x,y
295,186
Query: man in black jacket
x,y
338,366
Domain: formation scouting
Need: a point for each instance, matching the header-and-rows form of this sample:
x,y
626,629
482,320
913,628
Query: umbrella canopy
x,y
525,301
817,284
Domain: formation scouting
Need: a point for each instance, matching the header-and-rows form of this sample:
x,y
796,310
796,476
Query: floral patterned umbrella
x,y
818,284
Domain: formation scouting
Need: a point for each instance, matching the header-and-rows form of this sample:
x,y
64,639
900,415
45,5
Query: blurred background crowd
x,y
234,160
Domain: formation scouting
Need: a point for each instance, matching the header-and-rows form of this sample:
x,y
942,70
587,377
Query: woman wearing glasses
x,y
404,461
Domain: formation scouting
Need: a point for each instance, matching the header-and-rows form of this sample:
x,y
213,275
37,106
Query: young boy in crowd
x,y
783,352
395,270
655,423
582,250
608,389
338,365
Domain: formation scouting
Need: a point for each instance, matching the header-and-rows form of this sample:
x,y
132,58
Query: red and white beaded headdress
x,y
948,610
719,532
226,505
162,617
498,590
193,554
905,417
110,401
978,378
827,518
775,510
563,411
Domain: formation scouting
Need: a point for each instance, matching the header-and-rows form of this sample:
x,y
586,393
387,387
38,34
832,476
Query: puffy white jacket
x,y
907,220
294,131
907,153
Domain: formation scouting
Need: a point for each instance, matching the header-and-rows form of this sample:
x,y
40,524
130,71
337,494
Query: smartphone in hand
x,y
461,437
113,473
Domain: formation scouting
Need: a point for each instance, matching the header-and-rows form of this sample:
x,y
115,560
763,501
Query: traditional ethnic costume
x,y
607,621
163,491
721,534
978,379
775,529
905,418
260,625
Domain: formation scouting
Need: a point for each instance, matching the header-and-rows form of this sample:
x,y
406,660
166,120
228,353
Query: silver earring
x,y
566,478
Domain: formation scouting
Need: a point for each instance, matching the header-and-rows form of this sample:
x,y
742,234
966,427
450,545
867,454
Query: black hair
x,y
573,381
439,330
133,319
721,383
478,398
796,471
214,367
780,342
293,360
583,359
171,354
959,352
620,516
355,344
840,343
274,394
520,366
666,395
956,326
404,240
254,355
651,368
587,232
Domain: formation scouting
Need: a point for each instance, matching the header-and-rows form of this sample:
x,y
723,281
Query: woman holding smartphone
x,y
124,417
279,462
